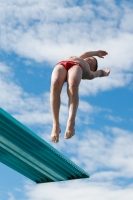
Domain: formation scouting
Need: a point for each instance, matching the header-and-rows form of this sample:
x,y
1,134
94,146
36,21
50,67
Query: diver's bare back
x,y
84,63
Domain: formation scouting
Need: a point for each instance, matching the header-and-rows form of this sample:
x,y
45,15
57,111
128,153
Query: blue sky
x,y
34,36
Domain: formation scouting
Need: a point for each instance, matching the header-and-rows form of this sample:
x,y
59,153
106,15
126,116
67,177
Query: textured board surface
x,y
27,153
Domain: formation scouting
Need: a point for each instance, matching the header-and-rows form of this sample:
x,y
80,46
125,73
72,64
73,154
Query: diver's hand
x,y
101,53
107,71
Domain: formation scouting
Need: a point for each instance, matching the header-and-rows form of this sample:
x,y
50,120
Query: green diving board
x,y
30,155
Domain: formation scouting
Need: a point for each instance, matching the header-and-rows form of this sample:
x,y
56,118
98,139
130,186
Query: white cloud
x,y
78,190
126,23
27,108
51,35
11,196
114,118
33,31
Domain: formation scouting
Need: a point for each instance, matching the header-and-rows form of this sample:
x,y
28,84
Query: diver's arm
x,y
88,54
99,53
99,73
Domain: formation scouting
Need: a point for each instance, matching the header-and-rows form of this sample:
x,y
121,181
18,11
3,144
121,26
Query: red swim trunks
x,y
69,64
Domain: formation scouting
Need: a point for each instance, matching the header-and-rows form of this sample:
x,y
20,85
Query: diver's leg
x,y
57,80
73,81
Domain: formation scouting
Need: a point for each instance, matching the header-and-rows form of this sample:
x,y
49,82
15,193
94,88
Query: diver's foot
x,y
70,131
55,134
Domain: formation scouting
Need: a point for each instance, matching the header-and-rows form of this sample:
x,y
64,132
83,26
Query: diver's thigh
x,y
59,73
74,75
